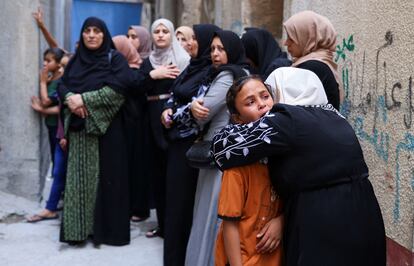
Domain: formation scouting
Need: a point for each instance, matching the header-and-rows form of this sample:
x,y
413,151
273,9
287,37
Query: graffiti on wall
x,y
375,99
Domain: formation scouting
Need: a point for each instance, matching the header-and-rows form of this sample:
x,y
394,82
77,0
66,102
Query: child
x,y
248,205
54,62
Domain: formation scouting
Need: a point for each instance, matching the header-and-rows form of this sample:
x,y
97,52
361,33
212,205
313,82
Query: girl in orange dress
x,y
248,205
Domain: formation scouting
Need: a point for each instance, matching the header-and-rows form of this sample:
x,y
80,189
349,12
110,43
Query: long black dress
x,y
156,148
332,216
96,191
133,114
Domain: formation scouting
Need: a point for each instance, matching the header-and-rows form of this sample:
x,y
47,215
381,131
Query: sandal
x,y
137,219
154,233
37,218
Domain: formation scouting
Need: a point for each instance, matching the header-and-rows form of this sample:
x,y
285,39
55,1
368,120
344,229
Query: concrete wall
x,y
375,54
21,160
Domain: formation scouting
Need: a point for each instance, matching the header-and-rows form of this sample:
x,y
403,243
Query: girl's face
x,y
252,102
186,44
50,63
92,37
64,62
161,36
293,49
133,38
218,54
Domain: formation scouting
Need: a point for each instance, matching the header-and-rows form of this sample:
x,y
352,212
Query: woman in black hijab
x,y
228,64
181,179
263,52
93,89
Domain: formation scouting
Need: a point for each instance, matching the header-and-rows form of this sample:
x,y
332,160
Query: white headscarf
x,y
297,86
173,54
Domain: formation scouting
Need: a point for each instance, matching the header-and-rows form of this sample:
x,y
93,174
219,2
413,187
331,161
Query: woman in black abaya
x,y
93,89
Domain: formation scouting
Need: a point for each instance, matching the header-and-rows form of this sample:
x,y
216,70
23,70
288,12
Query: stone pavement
x,y
23,243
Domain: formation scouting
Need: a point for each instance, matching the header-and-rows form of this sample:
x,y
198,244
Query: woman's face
x,y
293,49
92,37
252,102
161,36
194,48
218,54
186,44
133,38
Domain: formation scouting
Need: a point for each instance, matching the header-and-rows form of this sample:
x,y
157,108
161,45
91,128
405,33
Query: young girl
x,y
315,161
248,203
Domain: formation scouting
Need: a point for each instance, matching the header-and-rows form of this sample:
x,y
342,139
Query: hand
x,y
81,112
270,235
74,102
166,118
63,143
38,16
198,110
36,104
165,72
44,75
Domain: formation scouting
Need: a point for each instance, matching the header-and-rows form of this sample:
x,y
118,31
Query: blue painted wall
x,y
118,16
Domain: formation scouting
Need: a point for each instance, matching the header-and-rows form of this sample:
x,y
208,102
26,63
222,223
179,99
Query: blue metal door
x,y
118,16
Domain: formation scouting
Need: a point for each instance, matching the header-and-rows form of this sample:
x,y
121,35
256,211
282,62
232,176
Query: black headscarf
x,y
187,84
236,59
90,70
264,51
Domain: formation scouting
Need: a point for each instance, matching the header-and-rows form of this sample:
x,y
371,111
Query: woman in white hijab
x,y
316,163
166,61
167,50
297,87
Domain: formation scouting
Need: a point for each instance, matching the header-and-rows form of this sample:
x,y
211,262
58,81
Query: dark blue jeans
x,y
59,177
52,130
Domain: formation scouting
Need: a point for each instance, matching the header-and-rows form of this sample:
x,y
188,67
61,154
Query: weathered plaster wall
x,y
375,54
24,154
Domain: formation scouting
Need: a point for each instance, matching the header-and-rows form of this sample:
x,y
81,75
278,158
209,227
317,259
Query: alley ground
x,y
27,244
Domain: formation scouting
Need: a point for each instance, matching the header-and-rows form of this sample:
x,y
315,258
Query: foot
x,y
43,215
138,219
154,233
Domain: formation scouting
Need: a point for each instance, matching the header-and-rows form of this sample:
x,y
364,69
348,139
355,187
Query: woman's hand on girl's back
x,y
270,236
165,72
198,110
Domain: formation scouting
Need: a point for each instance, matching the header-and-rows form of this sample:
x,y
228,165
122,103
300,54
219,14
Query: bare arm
x,y
38,16
232,242
44,97
37,106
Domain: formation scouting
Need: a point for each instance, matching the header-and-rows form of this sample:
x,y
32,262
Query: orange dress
x,y
247,196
